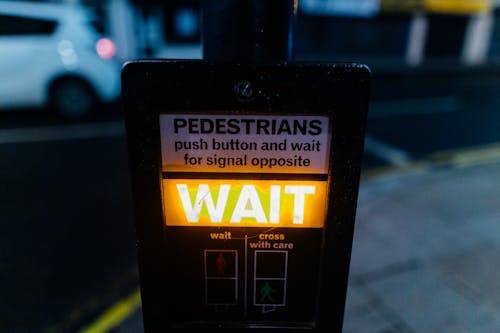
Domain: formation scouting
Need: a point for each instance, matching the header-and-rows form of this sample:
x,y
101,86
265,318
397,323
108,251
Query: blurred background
x,y
426,251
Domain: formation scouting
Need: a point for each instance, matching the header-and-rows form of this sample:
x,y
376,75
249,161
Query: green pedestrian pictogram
x,y
266,293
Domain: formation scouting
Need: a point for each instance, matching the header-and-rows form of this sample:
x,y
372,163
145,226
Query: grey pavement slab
x,y
426,252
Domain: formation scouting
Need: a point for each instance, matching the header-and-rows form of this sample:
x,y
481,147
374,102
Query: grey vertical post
x,y
248,30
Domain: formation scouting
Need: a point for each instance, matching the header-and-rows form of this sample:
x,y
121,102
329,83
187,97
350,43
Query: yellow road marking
x,y
458,158
458,6
116,314
467,157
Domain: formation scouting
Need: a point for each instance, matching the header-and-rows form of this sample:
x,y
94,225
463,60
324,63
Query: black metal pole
x,y
248,30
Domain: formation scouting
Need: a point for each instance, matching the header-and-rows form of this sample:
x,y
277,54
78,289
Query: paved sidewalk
x,y
426,252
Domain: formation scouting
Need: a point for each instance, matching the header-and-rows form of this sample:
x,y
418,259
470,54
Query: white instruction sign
x,y
245,143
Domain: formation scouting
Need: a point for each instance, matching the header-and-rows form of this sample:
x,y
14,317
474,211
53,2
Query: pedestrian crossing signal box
x,y
245,181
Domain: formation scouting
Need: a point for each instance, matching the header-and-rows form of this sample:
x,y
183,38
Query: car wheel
x,y
72,98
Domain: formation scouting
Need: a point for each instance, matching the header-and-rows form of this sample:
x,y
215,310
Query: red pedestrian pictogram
x,y
220,264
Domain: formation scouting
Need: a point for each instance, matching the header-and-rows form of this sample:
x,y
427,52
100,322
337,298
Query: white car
x,y
52,56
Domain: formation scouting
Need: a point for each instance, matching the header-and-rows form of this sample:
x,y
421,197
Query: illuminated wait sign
x,y
244,203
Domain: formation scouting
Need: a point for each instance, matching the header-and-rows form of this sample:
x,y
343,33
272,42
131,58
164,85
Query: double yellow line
x,y
458,158
116,314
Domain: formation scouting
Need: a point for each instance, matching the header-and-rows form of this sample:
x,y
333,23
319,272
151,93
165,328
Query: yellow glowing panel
x,y
244,203
458,6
